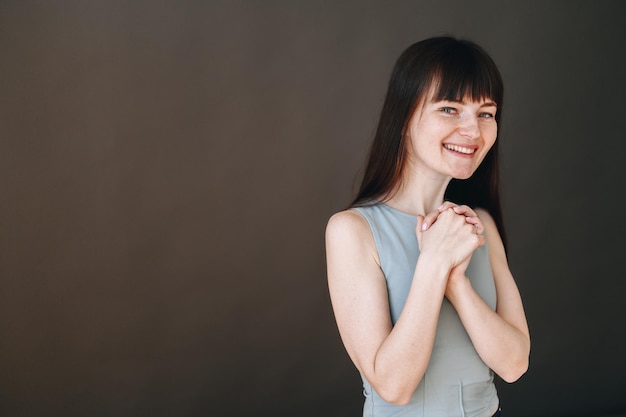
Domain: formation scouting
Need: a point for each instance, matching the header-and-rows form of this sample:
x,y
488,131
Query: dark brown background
x,y
167,169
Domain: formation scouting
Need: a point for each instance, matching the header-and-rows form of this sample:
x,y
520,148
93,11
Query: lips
x,y
460,149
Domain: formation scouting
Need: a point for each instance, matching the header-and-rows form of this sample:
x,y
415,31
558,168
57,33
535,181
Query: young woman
x,y
422,293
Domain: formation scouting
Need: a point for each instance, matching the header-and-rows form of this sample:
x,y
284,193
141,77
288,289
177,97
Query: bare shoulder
x,y
496,247
485,217
491,230
346,222
348,234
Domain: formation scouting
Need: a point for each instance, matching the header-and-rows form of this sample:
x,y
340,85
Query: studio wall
x,y
167,170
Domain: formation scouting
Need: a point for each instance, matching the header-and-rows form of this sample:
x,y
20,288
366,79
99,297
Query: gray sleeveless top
x,y
457,383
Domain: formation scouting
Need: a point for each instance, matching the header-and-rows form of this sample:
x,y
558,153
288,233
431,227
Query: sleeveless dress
x,y
457,383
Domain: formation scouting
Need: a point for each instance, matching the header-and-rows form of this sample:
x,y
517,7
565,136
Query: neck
x,y
419,194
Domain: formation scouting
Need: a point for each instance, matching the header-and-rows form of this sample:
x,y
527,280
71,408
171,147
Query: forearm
x,y
502,346
403,357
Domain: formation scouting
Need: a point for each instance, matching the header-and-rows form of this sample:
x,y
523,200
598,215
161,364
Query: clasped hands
x,y
451,233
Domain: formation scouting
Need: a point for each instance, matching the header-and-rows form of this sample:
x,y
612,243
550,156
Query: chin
x,y
462,175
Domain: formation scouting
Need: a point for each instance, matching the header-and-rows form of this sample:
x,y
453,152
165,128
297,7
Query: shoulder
x,y
348,234
496,247
345,224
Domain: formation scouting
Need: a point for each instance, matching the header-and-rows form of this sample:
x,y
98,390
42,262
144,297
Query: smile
x,y
460,149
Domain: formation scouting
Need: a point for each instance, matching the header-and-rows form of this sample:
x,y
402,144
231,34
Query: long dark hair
x,y
456,69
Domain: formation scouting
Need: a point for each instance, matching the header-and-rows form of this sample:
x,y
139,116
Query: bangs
x,y
465,73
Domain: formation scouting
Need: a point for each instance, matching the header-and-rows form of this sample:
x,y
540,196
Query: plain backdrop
x,y
167,169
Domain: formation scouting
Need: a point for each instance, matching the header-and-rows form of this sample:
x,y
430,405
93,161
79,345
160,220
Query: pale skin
x,y
446,140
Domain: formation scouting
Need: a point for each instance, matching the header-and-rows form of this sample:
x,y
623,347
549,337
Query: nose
x,y
469,127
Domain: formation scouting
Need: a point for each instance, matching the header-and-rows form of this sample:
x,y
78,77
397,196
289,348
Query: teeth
x,y
460,149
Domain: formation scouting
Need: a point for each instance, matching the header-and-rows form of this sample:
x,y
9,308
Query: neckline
x,y
395,210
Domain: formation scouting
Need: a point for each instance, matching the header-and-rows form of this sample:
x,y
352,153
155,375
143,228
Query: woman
x,y
424,300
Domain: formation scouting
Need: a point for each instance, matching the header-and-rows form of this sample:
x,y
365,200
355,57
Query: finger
x,y
477,240
429,219
477,223
420,223
466,210
481,240
445,205
418,230
470,216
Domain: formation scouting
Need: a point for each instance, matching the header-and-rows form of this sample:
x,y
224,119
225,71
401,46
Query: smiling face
x,y
450,138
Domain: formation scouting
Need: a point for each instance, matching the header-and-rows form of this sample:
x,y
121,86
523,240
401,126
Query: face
x,y
451,138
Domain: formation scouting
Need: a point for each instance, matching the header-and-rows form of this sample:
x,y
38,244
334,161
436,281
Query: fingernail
x,y
424,226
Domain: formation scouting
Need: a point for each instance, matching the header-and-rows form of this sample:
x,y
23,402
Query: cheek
x,y
490,136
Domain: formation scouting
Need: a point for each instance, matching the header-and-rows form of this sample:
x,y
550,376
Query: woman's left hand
x,y
458,272
470,216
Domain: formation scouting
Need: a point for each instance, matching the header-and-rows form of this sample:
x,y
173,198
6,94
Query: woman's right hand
x,y
451,234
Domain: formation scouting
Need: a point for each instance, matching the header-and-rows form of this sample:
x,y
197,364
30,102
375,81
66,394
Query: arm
x,y
393,359
500,337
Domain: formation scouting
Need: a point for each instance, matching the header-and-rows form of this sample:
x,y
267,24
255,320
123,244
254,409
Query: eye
x,y
448,110
486,115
